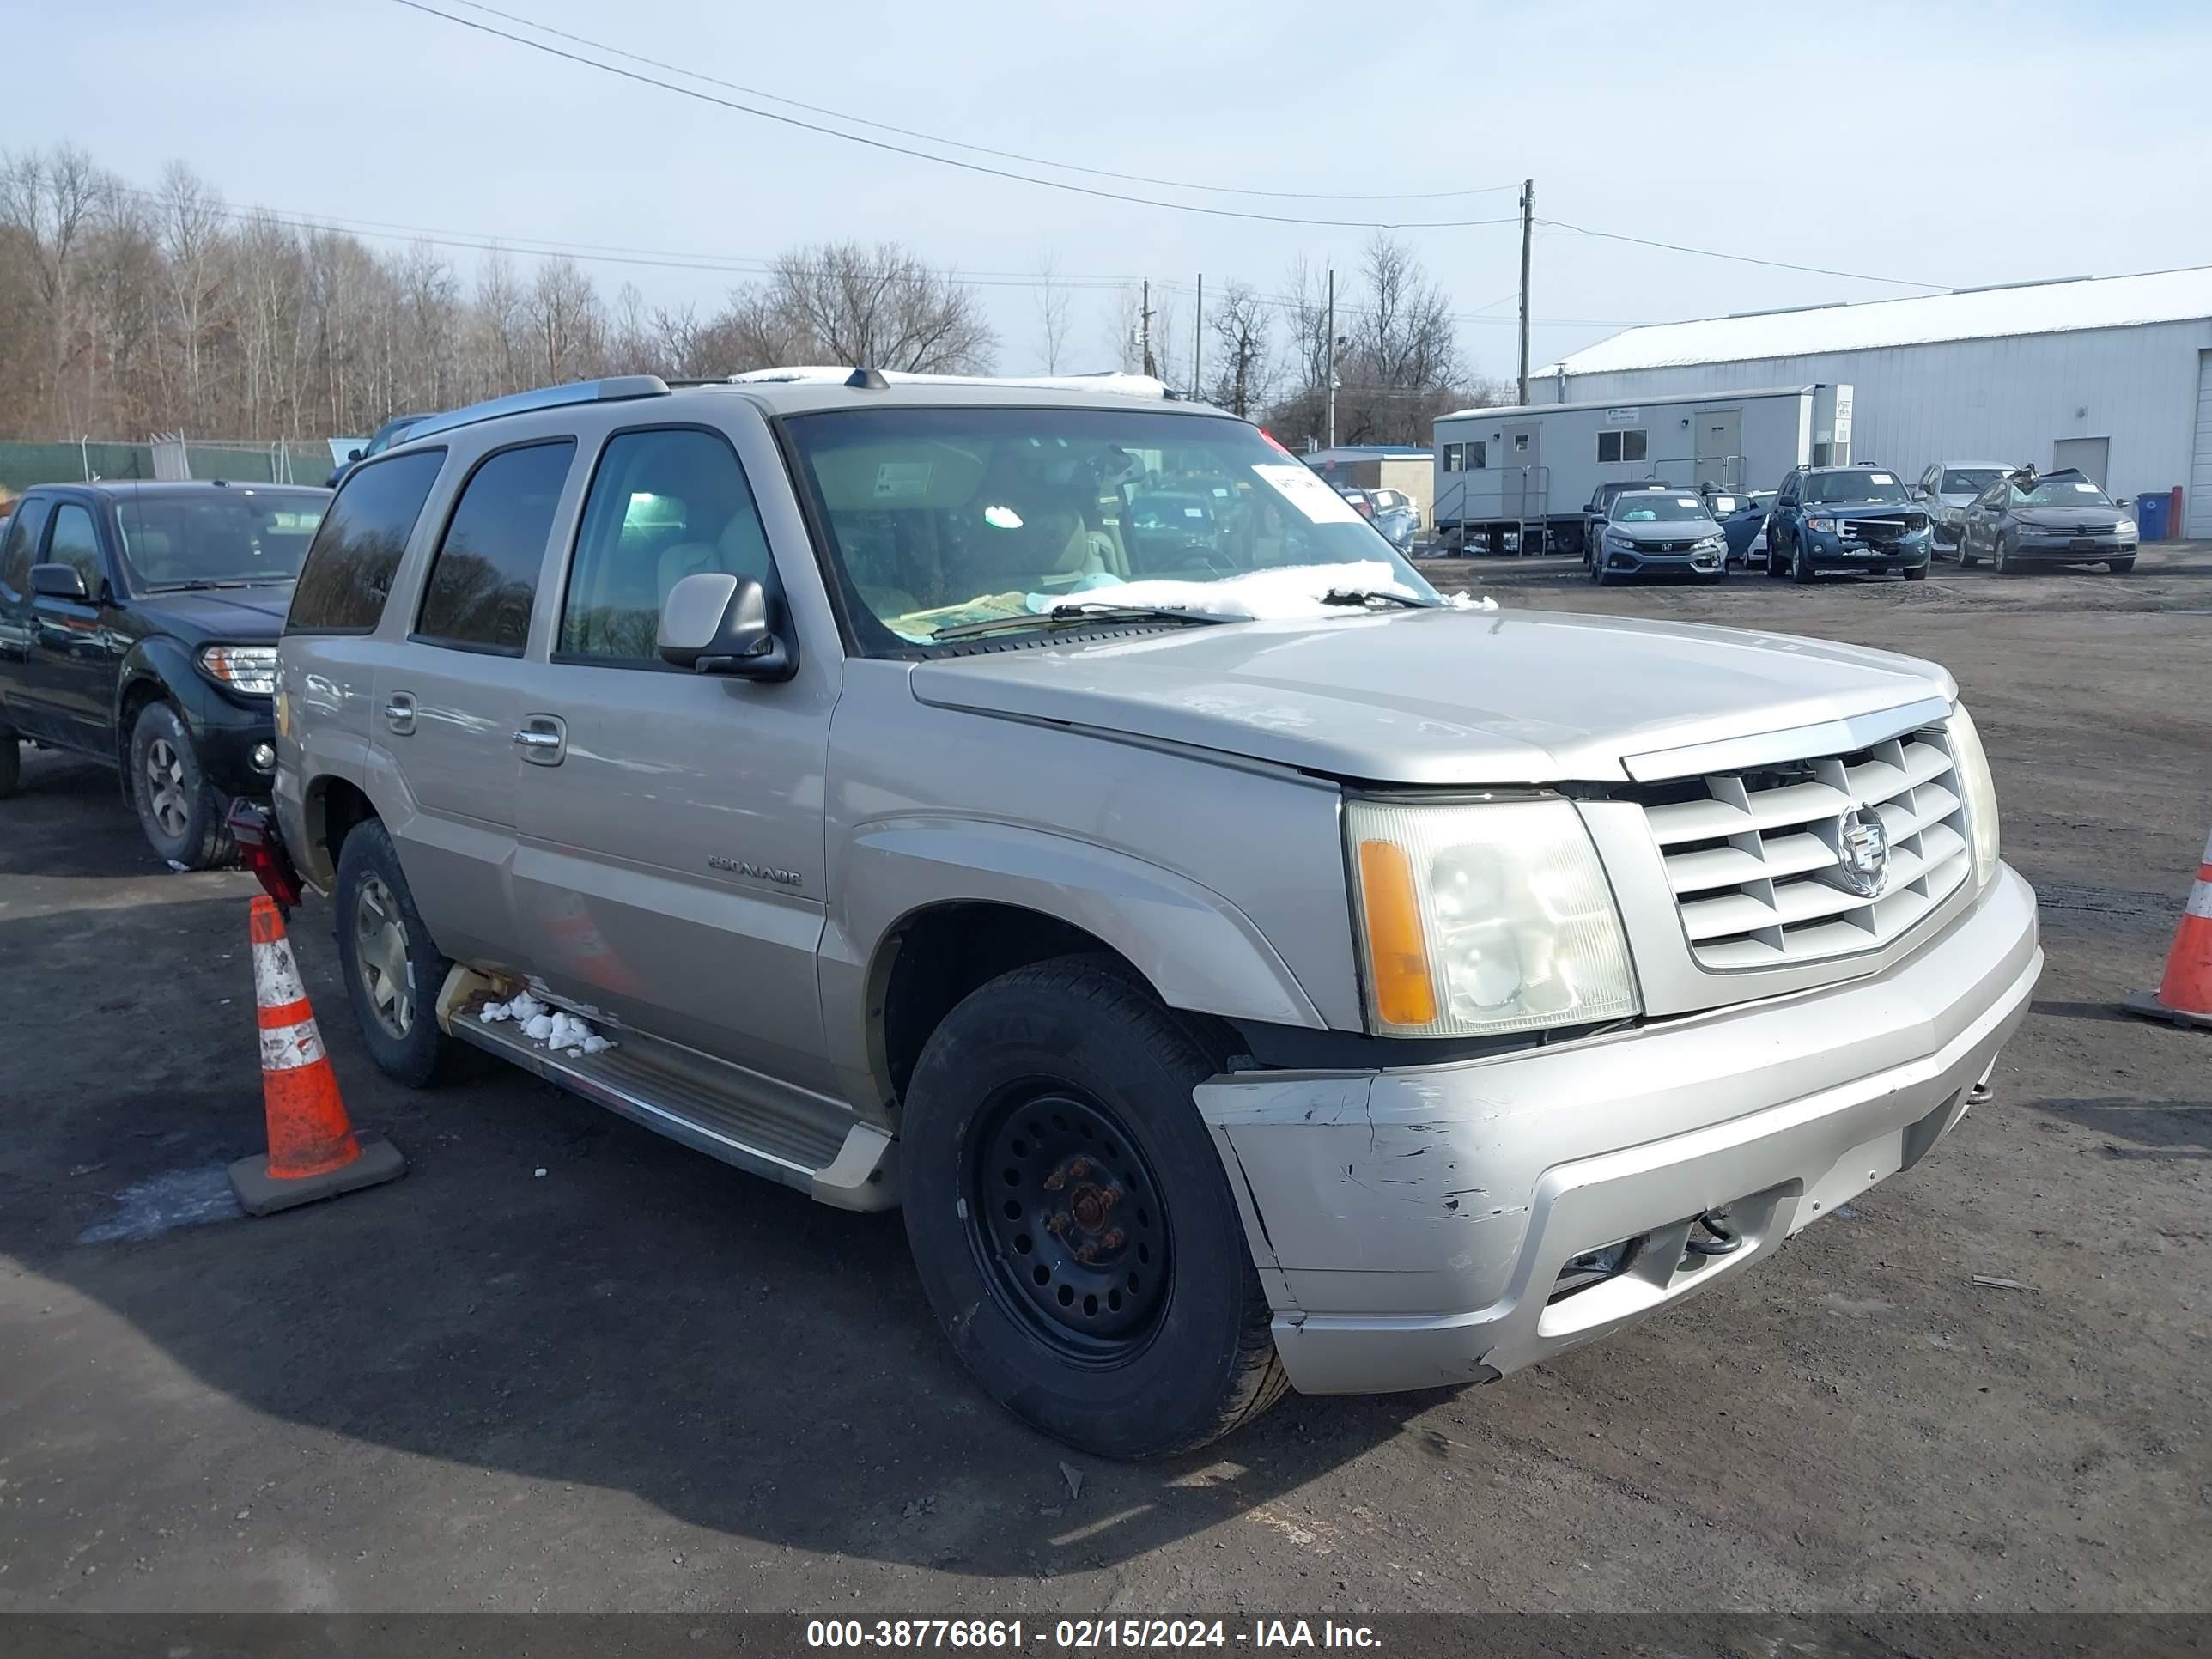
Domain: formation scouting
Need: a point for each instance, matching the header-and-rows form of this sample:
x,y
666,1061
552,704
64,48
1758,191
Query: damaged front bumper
x,y
1440,1225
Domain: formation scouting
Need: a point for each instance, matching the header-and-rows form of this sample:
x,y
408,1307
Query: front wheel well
x,y
937,957
137,697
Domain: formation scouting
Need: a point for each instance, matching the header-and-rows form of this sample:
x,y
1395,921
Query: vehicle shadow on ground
x,y
2138,1128
75,809
551,1292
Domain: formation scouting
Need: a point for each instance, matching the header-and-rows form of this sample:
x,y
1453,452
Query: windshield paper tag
x,y
1298,484
903,481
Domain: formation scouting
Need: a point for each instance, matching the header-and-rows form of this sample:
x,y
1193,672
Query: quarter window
x,y
1621,446
75,543
483,577
665,504
341,587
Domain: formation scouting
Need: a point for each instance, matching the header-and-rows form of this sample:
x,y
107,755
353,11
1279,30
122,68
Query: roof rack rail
x,y
618,389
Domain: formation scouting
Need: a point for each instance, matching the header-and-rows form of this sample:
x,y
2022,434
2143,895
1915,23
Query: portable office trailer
x,y
1528,470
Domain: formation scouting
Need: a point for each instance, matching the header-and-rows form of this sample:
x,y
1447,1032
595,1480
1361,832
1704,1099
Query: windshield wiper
x,y
1077,615
1366,596
201,585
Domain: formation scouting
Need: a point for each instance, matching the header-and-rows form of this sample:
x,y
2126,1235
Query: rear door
x,y
448,698
671,867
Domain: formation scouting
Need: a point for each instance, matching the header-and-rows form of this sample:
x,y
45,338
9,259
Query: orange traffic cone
x,y
313,1150
2184,996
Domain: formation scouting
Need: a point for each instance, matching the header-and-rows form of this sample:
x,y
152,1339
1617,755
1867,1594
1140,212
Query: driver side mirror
x,y
353,454
717,623
58,581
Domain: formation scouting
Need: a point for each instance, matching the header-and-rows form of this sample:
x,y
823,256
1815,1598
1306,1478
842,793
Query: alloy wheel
x,y
165,792
380,943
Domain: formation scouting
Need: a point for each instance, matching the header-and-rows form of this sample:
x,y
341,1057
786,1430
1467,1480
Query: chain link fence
x,y
289,460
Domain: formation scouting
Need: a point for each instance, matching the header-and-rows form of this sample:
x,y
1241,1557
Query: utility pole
x,y
1145,327
1528,224
1332,359
1198,317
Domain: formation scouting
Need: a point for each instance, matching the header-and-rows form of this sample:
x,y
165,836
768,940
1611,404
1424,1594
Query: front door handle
x,y
544,739
400,713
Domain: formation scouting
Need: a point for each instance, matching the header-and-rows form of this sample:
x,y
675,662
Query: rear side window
x,y
341,588
483,578
665,504
19,552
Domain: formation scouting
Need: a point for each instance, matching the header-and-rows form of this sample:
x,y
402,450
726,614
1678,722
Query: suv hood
x,y
246,615
1438,696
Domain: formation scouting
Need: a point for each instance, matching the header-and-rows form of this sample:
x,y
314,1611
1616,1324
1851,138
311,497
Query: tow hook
x,y
1720,1239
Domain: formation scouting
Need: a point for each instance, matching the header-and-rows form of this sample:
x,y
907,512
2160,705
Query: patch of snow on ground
x,y
179,1198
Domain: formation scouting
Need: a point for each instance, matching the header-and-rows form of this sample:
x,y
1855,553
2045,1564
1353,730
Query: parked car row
x,y
1390,511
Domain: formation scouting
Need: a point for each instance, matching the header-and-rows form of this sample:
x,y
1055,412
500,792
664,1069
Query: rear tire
x,y
178,808
1054,1165
393,971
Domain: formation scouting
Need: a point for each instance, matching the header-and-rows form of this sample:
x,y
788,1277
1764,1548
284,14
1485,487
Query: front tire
x,y
177,808
1071,1221
12,764
2117,567
2001,559
393,971
1916,572
1801,566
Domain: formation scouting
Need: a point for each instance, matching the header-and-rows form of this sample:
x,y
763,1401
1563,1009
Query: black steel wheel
x,y
1065,1217
1071,1218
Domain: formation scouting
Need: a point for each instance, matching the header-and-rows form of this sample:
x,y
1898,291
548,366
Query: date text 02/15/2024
x,y
1081,1635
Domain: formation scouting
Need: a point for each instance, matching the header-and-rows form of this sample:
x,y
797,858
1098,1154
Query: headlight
x,y
1819,524
2127,527
1485,917
1617,538
1972,764
1710,545
248,668
1954,515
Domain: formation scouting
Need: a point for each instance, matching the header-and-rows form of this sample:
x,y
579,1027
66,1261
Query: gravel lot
x,y
567,1365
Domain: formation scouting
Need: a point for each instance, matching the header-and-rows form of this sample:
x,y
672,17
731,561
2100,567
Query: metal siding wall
x,y
2001,400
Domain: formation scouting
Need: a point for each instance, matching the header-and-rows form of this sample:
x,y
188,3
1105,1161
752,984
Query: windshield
x,y
1968,480
939,517
1655,509
2061,491
218,536
390,433
1855,487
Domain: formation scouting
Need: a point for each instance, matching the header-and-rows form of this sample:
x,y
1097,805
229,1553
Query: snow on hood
x,y
1291,594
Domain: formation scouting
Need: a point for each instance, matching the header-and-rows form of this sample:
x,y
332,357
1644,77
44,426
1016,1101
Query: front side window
x,y
348,573
19,552
75,542
483,577
665,504
939,519
235,538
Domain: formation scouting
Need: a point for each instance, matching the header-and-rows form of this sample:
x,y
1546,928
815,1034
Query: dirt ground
x,y
565,1365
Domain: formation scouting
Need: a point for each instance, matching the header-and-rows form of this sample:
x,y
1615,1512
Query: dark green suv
x,y
1847,518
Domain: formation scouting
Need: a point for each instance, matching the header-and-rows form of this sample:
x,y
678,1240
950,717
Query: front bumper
x,y
1630,561
2072,549
1828,552
1411,1226
228,737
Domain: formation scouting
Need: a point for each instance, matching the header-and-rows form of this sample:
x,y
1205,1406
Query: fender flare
x,y
167,664
1197,949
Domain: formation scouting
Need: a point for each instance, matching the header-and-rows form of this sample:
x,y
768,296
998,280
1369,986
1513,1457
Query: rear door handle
x,y
400,713
544,739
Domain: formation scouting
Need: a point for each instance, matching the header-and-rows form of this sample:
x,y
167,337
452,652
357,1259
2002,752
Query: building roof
x,y
2056,307
1367,452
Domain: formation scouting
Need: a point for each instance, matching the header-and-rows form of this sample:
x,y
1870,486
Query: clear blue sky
x,y
1972,143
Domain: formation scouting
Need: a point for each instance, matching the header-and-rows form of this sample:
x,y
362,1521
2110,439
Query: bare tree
x,y
880,307
1244,372
565,321
1053,308
192,230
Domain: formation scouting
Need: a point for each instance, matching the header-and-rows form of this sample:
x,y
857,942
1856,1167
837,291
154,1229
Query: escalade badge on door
x,y
1863,855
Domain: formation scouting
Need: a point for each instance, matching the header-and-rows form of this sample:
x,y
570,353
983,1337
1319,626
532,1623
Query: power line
x,y
1739,259
942,161
978,149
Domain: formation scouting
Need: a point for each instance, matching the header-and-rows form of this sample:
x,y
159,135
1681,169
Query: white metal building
x,y
2112,374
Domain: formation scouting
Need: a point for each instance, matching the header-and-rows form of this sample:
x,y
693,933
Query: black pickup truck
x,y
139,625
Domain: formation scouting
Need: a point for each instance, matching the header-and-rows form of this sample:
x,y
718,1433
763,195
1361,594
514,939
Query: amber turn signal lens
x,y
1405,995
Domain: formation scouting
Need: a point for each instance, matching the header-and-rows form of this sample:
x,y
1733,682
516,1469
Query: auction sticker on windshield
x,y
1299,485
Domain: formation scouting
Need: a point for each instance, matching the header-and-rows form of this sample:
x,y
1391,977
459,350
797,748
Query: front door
x,y
20,708
2087,456
449,701
670,872
1720,448
77,646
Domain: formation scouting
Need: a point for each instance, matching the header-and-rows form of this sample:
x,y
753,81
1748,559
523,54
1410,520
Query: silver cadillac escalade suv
x,y
1052,809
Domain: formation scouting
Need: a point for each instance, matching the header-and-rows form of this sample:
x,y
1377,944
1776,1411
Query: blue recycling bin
x,y
2150,516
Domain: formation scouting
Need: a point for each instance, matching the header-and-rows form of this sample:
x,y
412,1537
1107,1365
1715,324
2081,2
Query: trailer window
x,y
1621,446
1476,457
1452,453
